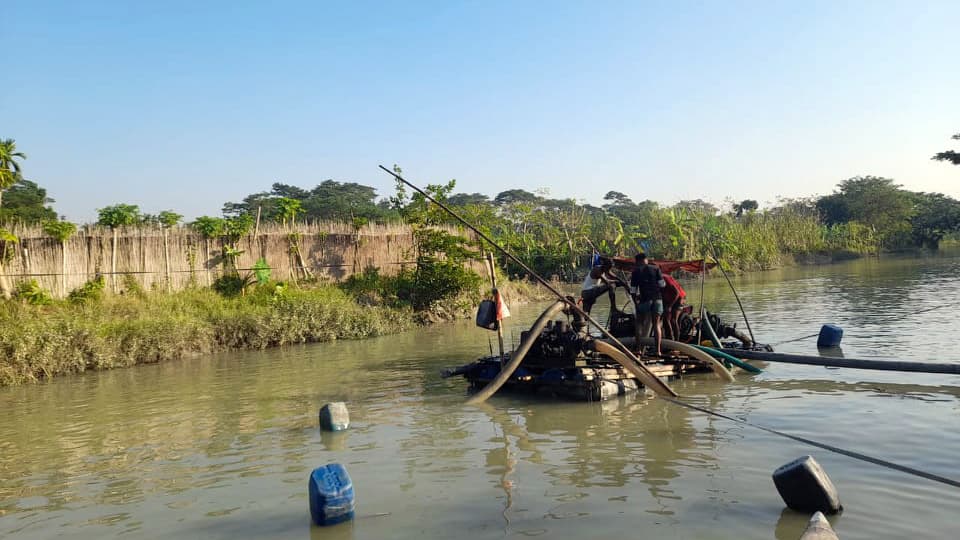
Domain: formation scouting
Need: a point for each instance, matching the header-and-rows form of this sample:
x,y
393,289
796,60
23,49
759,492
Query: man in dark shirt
x,y
646,281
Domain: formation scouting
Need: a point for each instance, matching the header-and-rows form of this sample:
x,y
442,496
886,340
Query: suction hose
x,y
644,375
732,359
717,367
517,356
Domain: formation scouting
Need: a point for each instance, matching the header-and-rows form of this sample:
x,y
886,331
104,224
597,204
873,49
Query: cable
x,y
824,446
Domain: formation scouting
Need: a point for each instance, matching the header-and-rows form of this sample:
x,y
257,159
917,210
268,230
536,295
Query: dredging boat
x,y
559,356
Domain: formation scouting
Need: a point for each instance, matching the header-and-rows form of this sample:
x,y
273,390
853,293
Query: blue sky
x,y
186,105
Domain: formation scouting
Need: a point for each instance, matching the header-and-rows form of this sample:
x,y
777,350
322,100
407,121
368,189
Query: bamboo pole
x,y
166,259
63,269
493,283
113,261
703,276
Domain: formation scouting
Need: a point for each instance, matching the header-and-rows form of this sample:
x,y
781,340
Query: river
x,y
221,447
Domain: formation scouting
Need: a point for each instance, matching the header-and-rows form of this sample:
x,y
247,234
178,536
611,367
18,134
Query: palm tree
x,y
9,167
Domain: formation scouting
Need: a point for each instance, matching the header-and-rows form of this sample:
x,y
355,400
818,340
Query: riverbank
x,y
61,337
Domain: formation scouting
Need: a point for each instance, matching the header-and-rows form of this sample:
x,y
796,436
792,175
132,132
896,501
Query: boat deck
x,y
583,379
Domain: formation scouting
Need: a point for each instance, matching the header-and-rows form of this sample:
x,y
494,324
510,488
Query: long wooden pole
x,y
571,304
113,260
743,312
493,283
166,258
703,277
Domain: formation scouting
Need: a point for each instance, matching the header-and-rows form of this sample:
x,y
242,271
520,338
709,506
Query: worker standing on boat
x,y
673,296
646,282
599,281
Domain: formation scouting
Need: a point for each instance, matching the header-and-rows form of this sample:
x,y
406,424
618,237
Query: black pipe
x,y
882,365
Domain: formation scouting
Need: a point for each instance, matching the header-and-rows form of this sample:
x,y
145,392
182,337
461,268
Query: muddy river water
x,y
221,447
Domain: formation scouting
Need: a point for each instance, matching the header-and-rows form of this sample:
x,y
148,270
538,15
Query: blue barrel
x,y
830,336
331,495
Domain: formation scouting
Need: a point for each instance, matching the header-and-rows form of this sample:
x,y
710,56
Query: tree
x,y
512,196
342,201
329,200
698,206
118,215
169,218
874,201
287,210
7,242
833,209
9,165
466,199
936,216
26,202
209,227
949,155
62,231
745,206
617,198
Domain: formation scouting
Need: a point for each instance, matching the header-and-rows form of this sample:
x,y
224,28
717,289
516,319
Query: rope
x,y
824,446
939,306
797,339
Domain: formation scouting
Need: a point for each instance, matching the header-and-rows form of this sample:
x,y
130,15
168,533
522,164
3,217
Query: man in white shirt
x,y
599,281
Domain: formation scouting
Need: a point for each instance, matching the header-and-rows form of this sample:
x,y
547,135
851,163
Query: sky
x,y
185,105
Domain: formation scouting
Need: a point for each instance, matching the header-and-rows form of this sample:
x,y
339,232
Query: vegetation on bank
x,y
40,338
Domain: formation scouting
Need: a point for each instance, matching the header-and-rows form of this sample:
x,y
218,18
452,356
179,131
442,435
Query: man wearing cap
x,y
646,282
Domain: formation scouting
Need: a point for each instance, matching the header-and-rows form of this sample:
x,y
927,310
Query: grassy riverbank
x,y
37,342
102,331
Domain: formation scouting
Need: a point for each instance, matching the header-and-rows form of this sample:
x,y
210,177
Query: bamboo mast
x,y
493,283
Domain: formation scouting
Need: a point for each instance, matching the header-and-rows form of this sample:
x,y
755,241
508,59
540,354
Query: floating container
x,y
331,495
334,416
830,336
487,315
805,487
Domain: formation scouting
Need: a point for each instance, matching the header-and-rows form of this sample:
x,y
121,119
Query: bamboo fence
x,y
175,258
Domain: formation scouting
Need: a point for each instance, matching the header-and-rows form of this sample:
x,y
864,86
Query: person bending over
x,y
598,282
645,285
673,297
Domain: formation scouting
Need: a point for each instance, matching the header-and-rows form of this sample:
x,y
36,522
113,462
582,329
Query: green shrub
x,y
32,293
91,291
233,284
132,286
261,270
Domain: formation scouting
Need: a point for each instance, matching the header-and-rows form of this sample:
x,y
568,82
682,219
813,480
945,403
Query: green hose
x,y
732,359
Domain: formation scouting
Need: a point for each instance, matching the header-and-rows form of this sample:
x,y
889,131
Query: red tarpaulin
x,y
667,267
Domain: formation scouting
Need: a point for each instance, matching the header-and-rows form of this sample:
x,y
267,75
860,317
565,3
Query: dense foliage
x,y
26,202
